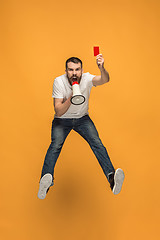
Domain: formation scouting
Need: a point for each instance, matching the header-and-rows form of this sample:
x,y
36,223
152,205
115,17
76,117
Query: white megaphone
x,y
77,97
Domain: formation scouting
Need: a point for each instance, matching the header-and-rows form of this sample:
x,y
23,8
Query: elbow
x,y
108,78
106,81
58,114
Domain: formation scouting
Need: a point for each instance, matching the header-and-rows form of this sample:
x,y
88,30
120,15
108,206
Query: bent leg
x,y
58,136
88,131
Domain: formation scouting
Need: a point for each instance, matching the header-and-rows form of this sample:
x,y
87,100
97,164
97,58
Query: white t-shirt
x,y
63,89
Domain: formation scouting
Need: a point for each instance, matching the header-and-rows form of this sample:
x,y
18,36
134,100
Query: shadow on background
x,y
75,202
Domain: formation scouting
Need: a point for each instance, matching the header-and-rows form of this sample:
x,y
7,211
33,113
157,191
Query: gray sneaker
x,y
45,183
116,181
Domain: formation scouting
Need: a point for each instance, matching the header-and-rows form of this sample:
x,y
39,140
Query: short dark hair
x,y
74,60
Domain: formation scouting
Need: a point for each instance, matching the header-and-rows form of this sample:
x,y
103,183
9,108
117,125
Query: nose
x,y
74,72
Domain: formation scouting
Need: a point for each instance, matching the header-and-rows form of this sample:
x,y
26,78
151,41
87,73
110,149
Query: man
x,y
69,116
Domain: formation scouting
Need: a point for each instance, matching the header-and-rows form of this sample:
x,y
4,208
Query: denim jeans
x,y
86,128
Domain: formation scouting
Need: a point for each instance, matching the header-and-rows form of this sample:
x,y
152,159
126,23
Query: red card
x,y
96,51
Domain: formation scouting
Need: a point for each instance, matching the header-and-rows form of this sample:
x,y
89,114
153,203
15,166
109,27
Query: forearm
x,y
61,108
104,75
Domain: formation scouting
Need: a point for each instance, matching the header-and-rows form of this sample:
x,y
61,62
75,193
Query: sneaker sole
x,y
44,184
118,181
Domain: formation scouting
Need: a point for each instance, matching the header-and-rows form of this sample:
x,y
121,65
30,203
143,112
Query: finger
x,y
99,55
100,58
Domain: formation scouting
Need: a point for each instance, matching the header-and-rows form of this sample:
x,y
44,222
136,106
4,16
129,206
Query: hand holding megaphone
x,y
77,98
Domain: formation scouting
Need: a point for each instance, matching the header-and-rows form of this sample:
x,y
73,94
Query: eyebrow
x,y
75,69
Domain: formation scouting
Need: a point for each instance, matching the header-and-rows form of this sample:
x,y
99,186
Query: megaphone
x,y
77,97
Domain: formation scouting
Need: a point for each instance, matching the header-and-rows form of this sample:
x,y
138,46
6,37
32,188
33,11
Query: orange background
x,y
36,39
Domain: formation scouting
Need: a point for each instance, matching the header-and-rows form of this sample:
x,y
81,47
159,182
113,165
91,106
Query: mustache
x,y
73,78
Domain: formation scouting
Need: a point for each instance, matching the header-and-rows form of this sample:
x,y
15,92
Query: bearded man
x,y
76,117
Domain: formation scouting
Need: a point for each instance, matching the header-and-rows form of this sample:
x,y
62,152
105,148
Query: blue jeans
x,y
86,128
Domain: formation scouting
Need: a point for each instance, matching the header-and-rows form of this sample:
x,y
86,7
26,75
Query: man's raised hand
x,y
100,61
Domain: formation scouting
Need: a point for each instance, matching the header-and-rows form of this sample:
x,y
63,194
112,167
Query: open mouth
x,y
74,79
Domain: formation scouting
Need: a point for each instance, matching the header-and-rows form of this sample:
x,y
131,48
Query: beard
x,y
74,78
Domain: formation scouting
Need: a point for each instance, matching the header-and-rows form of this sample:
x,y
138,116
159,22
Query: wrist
x,y
102,69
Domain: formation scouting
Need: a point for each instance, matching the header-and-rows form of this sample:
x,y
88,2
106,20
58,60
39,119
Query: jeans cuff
x,y
109,175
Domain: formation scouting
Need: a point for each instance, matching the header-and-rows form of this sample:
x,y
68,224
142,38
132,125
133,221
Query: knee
x,y
56,144
99,144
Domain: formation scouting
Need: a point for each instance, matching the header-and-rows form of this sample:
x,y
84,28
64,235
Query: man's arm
x,y
60,106
104,77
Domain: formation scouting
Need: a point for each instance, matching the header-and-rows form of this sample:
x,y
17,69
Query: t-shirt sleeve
x,y
57,89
